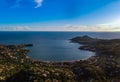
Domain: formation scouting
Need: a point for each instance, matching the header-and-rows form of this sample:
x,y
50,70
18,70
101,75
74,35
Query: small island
x,y
16,66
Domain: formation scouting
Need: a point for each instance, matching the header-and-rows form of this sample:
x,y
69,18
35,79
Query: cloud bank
x,y
67,27
16,28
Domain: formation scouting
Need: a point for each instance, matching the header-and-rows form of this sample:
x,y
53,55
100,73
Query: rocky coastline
x,y
16,66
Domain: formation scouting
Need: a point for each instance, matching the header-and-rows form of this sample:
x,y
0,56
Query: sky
x,y
59,15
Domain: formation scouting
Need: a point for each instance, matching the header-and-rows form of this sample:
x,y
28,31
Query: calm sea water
x,y
53,46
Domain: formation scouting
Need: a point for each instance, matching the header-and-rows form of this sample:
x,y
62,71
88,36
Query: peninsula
x,y
16,66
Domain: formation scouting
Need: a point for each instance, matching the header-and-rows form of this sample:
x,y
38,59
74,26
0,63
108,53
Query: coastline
x,y
100,67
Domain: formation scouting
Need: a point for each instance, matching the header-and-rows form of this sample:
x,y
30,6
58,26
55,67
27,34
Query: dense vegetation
x,y
16,66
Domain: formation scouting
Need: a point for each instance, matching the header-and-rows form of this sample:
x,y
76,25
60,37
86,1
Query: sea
x,y
53,46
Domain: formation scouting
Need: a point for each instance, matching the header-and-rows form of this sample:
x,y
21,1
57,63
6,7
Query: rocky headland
x,y
16,66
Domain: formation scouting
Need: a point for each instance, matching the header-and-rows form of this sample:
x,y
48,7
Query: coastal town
x,y
104,66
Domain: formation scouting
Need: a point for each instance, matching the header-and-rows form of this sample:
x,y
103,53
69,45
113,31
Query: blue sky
x,y
60,15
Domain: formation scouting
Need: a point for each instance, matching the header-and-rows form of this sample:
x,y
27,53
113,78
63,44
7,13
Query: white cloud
x,y
21,28
67,27
17,28
108,27
100,27
17,3
39,3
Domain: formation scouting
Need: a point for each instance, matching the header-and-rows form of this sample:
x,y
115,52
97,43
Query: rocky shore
x,y
16,66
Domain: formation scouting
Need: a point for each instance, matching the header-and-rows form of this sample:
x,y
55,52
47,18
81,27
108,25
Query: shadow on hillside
x,y
22,76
